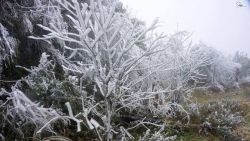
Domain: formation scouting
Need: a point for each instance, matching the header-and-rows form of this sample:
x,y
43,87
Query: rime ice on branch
x,y
102,46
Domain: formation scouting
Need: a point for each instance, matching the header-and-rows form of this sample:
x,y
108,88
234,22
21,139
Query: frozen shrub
x,y
21,110
221,116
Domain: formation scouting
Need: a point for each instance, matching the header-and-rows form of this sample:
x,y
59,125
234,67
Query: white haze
x,y
218,23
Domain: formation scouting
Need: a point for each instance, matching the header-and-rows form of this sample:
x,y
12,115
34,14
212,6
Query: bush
x,y
220,116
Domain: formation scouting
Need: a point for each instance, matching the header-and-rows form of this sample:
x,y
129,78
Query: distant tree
x,y
221,72
242,59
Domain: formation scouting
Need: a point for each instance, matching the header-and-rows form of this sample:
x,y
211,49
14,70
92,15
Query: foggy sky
x,y
218,23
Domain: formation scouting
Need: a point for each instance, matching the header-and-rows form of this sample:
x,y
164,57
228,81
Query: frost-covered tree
x,y
242,59
100,49
221,72
8,45
181,72
186,59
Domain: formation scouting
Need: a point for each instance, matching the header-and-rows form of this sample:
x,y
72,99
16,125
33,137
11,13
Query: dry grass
x,y
241,95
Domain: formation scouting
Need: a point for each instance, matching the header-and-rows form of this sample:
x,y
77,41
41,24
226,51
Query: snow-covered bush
x,y
21,110
18,108
221,116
